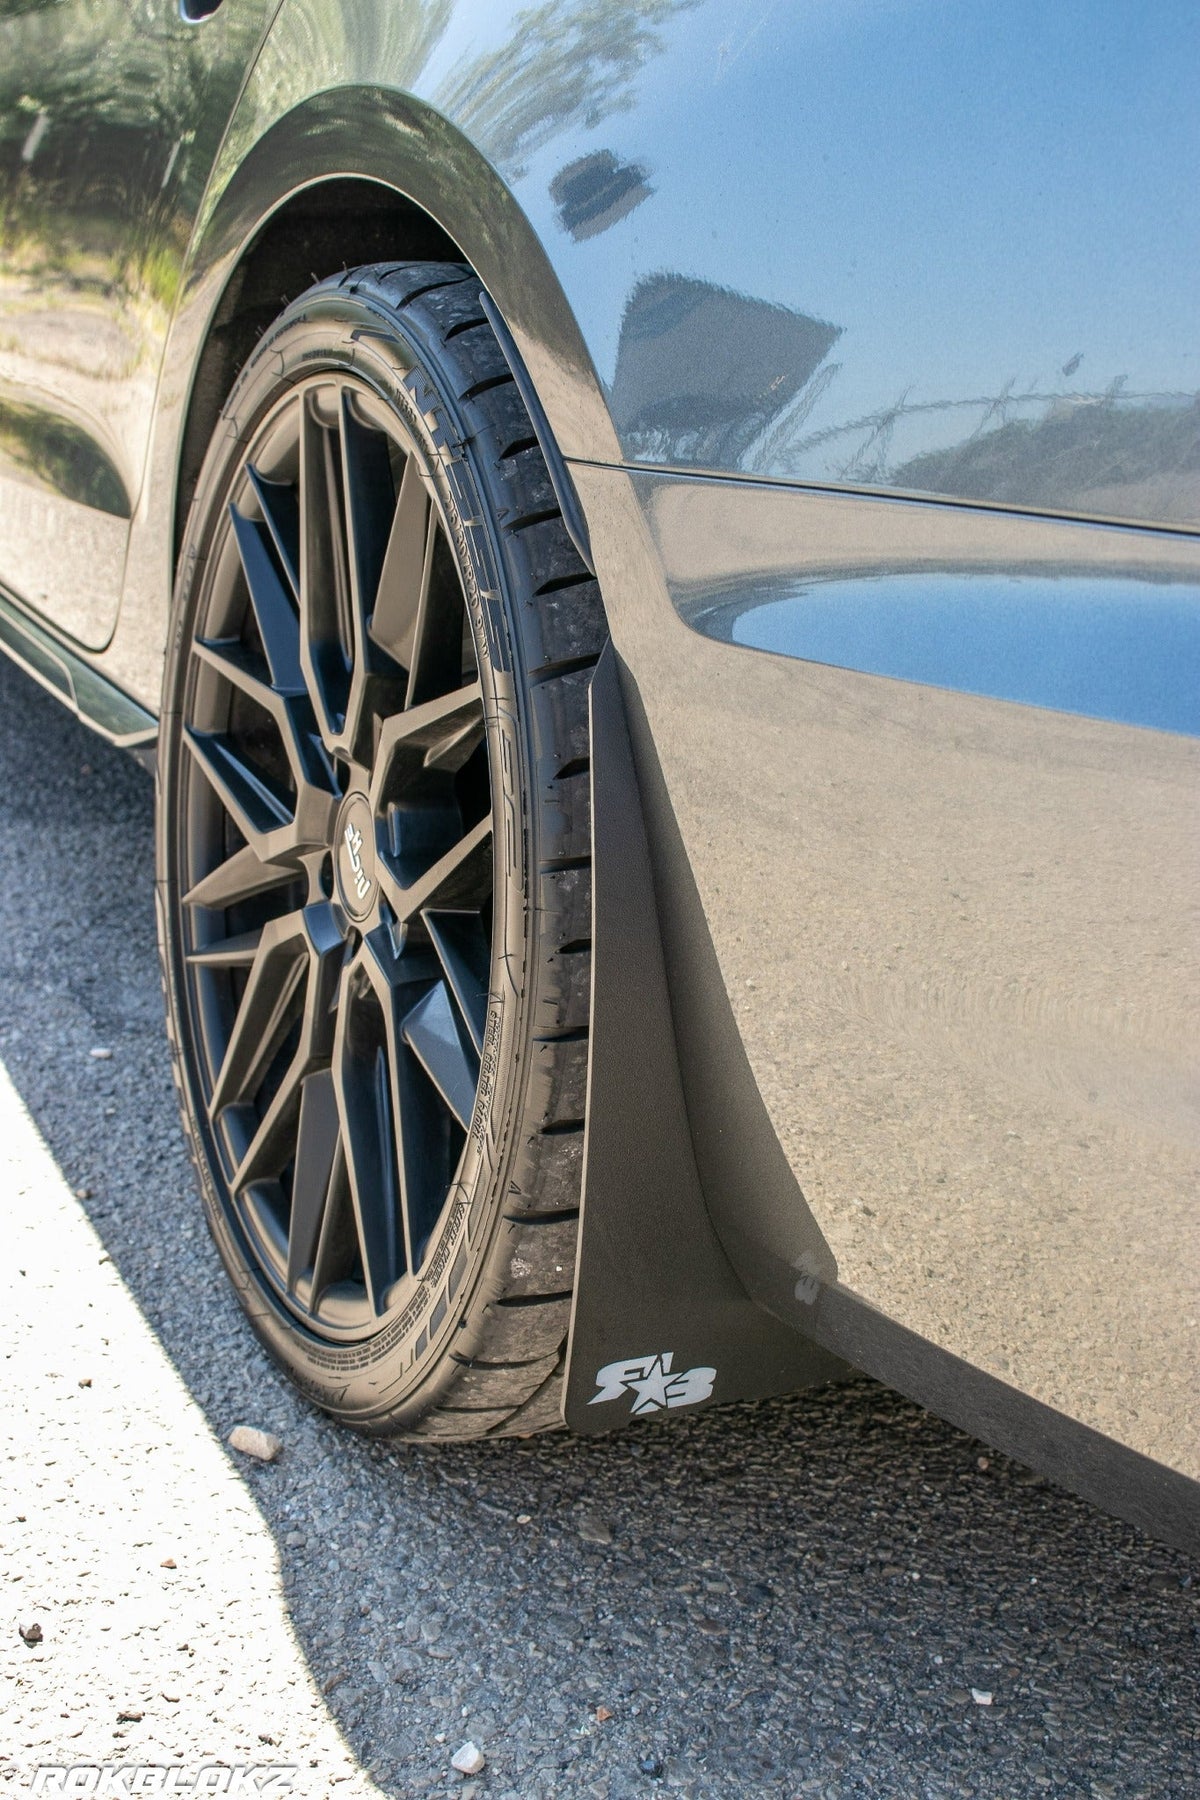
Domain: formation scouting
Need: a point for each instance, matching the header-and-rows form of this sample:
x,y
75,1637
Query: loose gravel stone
x,y
264,1446
595,1531
469,1759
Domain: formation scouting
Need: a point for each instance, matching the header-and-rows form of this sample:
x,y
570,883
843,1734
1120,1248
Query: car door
x,y
110,115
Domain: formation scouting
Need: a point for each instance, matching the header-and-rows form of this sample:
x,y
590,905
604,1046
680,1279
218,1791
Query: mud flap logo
x,y
649,1379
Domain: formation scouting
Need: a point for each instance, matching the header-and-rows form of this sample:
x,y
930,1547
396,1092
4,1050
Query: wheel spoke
x,y
457,747
337,1251
238,878
280,505
427,1149
440,728
436,663
275,828
227,952
459,881
402,578
256,808
268,1006
310,766
424,1148
278,626
317,1143
230,658
369,500
267,1151
322,945
434,1035
370,503
418,614
326,634
462,950
363,1089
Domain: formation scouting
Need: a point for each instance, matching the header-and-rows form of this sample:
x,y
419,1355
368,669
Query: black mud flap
x,y
690,1206
660,1320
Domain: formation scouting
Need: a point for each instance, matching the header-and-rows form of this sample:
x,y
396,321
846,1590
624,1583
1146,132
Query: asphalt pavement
x,y
831,1595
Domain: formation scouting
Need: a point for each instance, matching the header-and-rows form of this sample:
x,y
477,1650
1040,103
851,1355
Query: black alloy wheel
x,y
374,860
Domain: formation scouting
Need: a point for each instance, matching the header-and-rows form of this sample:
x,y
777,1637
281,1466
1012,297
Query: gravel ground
x,y
806,1597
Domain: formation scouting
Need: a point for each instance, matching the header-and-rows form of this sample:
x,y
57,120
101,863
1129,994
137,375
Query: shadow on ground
x,y
807,1596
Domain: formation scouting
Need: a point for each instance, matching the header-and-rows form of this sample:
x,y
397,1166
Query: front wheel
x,y
374,886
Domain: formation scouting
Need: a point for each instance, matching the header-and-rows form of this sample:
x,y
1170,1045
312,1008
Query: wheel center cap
x,y
354,856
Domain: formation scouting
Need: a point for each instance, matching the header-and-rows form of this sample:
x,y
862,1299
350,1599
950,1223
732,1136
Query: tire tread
x,y
512,1380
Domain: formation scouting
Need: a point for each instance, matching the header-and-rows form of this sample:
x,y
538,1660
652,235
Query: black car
x,y
653,549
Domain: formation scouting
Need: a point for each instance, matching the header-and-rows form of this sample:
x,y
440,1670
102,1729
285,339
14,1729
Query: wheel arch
x,y
274,217
337,222
354,175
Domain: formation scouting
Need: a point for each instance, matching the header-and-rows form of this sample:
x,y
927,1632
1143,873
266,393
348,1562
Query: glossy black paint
x,y
1124,650
690,1210
946,200
956,933
981,218
110,118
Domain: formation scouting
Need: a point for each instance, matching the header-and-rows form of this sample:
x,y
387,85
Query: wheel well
x,y
323,229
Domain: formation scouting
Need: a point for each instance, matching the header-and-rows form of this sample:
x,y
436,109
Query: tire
x,y
374,861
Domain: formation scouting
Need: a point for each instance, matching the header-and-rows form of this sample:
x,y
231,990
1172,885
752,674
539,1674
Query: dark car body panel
x,y
957,935
865,344
110,120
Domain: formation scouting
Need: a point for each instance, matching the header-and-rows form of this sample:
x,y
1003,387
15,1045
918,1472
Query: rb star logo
x,y
651,1382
